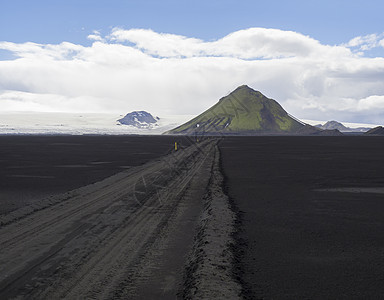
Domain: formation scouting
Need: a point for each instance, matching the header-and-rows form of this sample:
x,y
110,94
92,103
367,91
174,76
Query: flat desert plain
x,y
311,215
35,166
127,217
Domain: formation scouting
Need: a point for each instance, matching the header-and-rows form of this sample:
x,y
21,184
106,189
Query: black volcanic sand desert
x,y
236,217
32,167
311,213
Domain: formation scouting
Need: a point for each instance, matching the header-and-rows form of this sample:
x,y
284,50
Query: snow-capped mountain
x,y
139,119
331,125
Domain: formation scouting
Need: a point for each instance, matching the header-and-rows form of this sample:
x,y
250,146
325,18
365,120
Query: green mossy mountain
x,y
244,112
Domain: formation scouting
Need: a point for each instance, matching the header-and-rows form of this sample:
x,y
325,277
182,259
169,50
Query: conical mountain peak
x,y
243,111
246,89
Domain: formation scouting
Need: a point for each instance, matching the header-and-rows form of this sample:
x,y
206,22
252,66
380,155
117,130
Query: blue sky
x,y
50,21
320,59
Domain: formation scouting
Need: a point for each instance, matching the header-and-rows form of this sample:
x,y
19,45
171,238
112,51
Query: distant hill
x,y
139,119
331,125
328,132
379,130
245,112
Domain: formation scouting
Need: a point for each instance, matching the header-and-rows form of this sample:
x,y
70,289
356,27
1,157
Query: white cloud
x,y
365,43
167,73
250,43
95,36
12,101
371,103
35,51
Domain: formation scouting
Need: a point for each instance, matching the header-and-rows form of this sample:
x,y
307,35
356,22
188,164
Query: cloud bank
x,y
172,74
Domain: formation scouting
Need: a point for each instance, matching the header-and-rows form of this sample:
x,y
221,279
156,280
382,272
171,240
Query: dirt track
x,y
128,236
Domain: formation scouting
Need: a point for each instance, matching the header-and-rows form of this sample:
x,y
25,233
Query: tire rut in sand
x,y
158,274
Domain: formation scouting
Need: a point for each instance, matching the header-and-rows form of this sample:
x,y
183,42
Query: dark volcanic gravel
x,y
310,212
125,237
32,167
296,242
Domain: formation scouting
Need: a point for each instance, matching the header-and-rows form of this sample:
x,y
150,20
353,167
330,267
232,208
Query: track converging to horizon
x,y
130,235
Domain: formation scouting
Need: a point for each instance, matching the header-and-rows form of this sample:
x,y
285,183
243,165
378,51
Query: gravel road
x,y
131,235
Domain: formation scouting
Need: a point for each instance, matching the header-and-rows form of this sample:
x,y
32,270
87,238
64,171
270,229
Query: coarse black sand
x,y
298,239
128,236
285,217
32,167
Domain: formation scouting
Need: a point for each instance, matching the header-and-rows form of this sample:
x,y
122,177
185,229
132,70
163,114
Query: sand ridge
x,y
210,269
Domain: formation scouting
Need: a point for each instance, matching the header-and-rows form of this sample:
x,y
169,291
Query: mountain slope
x,y
244,111
379,130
